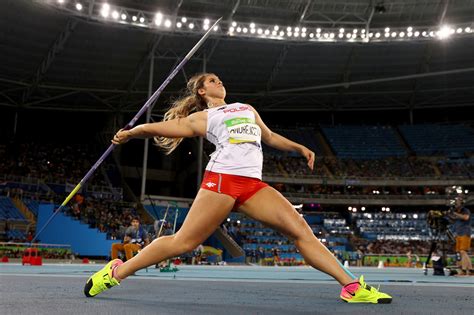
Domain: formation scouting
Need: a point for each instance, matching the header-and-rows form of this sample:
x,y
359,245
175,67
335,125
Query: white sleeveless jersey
x,y
234,132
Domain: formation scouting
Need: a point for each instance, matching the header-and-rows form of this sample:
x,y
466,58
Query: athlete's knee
x,y
300,230
184,244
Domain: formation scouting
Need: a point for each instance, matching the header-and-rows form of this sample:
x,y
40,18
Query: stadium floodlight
x,y
362,31
184,19
238,221
134,18
468,30
267,32
78,6
402,34
179,24
297,29
205,27
349,35
326,35
228,219
289,34
115,15
276,28
123,16
245,30
409,34
466,191
459,30
259,31
142,19
318,35
239,29
341,30
394,34
444,32
383,208
303,35
234,24
331,35
377,35
409,29
168,23
206,21
371,34
355,31
303,30
191,25
416,33
252,30
288,29
354,209
216,28
296,34
415,216
311,35
363,208
60,1
387,209
387,30
105,10
341,35
387,35
252,25
282,33
158,18
404,216
231,29
274,33
318,30
432,34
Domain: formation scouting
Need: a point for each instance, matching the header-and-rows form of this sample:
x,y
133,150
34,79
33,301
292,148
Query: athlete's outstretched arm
x,y
279,142
187,127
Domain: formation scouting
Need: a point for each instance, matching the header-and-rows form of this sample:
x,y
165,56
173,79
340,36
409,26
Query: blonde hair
x,y
185,105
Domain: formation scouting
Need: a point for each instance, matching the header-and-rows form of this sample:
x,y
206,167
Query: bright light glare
x,y
115,15
123,16
444,32
184,19
234,24
191,25
387,29
207,21
341,30
78,6
252,25
179,24
142,19
168,23
216,28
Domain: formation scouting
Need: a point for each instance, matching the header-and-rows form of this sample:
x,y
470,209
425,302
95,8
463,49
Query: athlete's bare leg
x,y
208,210
271,208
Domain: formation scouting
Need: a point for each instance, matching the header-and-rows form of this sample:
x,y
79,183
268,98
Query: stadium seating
x,y
364,142
8,211
438,139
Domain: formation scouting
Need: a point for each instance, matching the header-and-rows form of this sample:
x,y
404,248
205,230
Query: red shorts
x,y
238,187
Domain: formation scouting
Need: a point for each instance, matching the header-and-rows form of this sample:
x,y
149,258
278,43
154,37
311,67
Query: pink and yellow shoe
x,y
102,279
361,292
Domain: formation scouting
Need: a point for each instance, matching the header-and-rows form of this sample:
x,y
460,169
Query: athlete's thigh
x,y
272,209
208,210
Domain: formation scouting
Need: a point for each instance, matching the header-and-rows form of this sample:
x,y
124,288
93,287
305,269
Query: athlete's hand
x,y
122,136
309,155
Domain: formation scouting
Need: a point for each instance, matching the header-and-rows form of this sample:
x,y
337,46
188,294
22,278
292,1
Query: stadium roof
x,y
57,59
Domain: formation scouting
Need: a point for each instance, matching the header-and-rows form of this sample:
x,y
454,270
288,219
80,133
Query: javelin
x,y
148,103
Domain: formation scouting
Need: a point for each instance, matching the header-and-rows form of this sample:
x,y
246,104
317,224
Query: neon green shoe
x,y
102,279
361,292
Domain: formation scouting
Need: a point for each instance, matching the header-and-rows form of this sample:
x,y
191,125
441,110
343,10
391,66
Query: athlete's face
x,y
213,88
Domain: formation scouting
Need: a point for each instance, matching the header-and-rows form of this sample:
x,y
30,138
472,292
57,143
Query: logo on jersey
x,y
234,110
210,184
